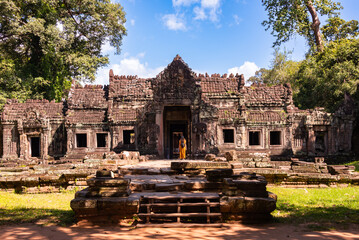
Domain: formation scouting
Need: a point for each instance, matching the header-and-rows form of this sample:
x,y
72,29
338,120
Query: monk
x,y
182,147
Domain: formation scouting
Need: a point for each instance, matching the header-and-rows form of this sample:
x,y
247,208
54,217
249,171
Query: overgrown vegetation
x,y
317,206
52,208
330,70
45,44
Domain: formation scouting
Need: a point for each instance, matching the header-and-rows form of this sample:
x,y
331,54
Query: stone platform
x,y
112,198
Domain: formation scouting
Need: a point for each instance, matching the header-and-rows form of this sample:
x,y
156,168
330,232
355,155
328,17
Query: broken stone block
x,y
263,165
231,155
259,205
202,185
236,165
218,174
319,159
108,192
245,184
129,155
209,157
183,165
220,159
105,173
340,169
107,182
168,187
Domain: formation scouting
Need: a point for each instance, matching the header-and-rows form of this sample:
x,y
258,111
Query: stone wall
x,y
217,113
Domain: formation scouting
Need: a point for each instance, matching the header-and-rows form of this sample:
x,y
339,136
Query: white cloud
x,y
106,48
127,66
199,13
248,69
237,19
209,9
210,3
177,3
132,22
174,22
141,54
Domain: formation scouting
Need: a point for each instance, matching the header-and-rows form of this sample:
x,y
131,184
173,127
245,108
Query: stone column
x,y
7,141
45,144
159,122
311,141
24,145
70,141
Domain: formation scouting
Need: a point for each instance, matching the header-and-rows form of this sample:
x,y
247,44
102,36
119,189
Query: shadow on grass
x,y
317,218
29,215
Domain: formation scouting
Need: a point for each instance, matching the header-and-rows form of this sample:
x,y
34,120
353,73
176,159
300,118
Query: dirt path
x,y
228,232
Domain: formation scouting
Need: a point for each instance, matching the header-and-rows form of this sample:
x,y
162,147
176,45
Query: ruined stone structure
x,y
215,114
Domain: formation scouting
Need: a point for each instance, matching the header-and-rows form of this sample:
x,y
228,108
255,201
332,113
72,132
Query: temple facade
x,y
214,113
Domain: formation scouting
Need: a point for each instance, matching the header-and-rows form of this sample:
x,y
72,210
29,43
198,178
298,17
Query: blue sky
x,y
213,36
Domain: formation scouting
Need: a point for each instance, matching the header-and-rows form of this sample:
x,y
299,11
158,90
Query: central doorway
x,y
35,146
177,122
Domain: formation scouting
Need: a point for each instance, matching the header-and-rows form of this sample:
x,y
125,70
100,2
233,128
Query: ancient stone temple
x,y
214,113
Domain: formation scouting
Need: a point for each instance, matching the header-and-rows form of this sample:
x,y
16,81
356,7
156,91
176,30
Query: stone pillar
x,y
70,140
45,144
159,122
9,147
24,146
243,136
311,141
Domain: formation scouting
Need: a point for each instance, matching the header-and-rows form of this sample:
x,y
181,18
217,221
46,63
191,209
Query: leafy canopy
x,y
325,77
46,43
289,17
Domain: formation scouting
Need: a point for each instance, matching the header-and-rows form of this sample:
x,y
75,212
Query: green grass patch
x,y
51,208
317,205
355,163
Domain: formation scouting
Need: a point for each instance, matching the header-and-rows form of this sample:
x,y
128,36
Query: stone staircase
x,y
181,209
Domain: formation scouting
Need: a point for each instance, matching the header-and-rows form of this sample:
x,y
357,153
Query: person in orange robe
x,y
182,147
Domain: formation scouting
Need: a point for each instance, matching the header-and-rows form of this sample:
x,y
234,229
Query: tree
x,y
324,78
46,43
282,70
338,29
289,17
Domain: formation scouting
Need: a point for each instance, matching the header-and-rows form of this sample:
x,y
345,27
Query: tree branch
x,y
315,26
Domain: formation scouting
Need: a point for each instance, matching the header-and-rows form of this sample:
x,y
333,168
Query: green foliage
x,y
282,70
46,43
287,18
328,205
325,77
339,29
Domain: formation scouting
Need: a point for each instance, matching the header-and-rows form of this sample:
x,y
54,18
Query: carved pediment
x,y
176,81
32,119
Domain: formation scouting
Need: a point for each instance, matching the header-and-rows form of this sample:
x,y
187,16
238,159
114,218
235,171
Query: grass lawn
x,y
318,205
355,163
294,206
52,208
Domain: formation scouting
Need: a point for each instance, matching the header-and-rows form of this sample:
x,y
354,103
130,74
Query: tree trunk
x,y
315,26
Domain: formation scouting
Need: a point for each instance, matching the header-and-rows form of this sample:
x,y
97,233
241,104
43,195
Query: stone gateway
x,y
214,113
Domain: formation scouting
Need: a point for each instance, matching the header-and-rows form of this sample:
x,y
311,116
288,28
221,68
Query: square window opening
x,y
81,140
275,138
228,135
128,136
254,138
101,140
